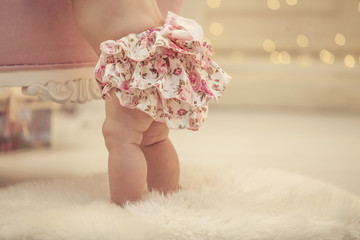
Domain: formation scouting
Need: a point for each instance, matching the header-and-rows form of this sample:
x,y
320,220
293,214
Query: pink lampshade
x,y
41,34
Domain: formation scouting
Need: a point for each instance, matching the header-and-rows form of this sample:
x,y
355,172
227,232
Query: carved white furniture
x,y
42,51
61,85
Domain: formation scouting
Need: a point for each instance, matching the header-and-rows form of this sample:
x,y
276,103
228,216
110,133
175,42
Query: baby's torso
x,y
112,19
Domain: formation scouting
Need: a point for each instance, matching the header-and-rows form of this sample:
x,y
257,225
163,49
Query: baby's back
x,y
112,19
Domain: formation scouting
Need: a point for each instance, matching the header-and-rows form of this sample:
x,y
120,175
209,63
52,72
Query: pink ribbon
x,y
182,28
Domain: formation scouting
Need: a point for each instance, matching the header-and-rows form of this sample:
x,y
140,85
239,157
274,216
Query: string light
x,y
213,3
273,4
302,41
216,28
291,2
284,57
327,57
349,61
340,39
274,57
269,45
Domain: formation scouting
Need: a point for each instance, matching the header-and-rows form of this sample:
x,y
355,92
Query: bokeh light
x,y
269,45
327,57
284,57
302,41
291,2
274,57
213,3
216,28
349,61
273,4
340,39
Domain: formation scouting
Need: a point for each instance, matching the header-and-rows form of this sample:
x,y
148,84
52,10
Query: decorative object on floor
x,y
24,120
217,202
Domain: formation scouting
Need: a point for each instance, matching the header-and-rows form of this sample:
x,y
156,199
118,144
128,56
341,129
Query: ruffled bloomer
x,y
165,72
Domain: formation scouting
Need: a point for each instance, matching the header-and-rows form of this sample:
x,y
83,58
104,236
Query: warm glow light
x,y
274,57
280,57
269,45
327,57
349,61
359,7
216,28
302,41
213,3
273,4
340,39
284,57
291,2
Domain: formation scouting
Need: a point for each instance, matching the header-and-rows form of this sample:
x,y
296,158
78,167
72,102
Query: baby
x,y
155,73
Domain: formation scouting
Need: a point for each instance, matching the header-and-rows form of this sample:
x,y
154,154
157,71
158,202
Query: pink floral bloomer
x,y
165,72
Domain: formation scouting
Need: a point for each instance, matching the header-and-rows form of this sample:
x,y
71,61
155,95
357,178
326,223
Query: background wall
x,y
298,54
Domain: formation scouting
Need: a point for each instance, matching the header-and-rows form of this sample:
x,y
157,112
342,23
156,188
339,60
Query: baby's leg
x,y
123,132
161,157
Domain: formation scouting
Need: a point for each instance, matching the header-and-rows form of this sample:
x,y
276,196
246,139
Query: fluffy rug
x,y
216,202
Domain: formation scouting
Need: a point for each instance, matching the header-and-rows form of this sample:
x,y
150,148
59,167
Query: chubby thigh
x,y
123,124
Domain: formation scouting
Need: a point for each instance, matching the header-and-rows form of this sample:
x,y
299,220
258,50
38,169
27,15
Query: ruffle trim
x,y
169,62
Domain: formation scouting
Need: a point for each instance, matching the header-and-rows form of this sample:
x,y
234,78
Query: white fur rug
x,y
216,202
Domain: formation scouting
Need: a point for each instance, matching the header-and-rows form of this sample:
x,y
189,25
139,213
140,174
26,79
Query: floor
x,y
322,145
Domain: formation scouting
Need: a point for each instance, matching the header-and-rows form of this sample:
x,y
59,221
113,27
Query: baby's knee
x,y
117,133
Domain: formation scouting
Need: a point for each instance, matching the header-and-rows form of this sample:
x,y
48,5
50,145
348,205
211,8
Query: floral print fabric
x,y
165,72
